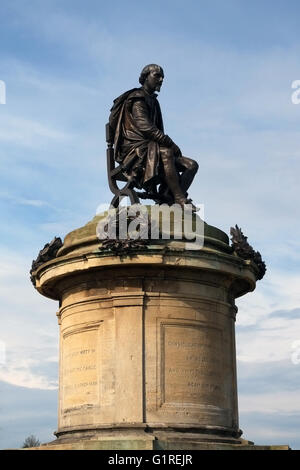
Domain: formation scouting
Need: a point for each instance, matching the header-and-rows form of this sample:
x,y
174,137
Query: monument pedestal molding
x,y
147,343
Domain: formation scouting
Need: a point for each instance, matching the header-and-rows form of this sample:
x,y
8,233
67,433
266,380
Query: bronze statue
x,y
148,159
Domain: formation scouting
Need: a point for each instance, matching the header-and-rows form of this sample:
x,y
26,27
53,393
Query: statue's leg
x,y
171,175
165,193
189,168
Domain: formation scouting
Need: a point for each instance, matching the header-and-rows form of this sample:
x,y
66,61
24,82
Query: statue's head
x,y
152,77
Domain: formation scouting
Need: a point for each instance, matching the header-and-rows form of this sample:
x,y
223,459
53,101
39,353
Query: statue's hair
x,y
146,70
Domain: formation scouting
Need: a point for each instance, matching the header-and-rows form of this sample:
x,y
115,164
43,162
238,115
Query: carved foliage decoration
x,y
245,251
124,245
120,246
48,253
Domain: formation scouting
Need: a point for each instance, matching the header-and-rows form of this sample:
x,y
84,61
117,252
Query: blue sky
x,y
226,102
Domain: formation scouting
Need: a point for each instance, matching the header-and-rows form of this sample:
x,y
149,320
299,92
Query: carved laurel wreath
x,y
120,245
48,253
245,251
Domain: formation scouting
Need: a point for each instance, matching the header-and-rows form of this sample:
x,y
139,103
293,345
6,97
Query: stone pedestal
x,y
147,341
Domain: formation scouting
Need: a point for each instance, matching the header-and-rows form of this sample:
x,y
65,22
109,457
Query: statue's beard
x,y
158,87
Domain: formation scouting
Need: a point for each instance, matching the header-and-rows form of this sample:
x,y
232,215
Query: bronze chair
x,y
115,174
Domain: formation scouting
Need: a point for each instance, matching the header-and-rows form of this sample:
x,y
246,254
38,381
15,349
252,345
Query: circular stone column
x,y
147,339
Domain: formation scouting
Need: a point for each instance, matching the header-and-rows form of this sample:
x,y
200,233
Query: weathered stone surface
x,y
147,342
155,445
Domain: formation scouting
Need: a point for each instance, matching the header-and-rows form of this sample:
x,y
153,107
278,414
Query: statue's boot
x,y
165,194
172,181
187,177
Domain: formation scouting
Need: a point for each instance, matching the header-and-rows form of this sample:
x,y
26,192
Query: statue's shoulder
x,y
138,93
130,94
117,109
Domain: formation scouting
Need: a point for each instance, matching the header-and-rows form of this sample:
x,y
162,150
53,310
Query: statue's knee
x,y
192,165
195,166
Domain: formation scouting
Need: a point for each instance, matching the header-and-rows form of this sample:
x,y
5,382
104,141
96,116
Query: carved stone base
x,y
136,444
147,341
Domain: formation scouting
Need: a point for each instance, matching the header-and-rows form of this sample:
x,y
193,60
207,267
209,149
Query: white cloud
x,y
275,402
279,290
22,201
52,359
268,435
28,327
28,133
55,227
263,336
20,374
31,202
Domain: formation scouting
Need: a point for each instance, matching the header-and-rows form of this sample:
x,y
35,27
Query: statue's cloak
x,y
137,136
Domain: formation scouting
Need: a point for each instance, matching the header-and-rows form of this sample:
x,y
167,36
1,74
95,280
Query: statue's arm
x,y
143,123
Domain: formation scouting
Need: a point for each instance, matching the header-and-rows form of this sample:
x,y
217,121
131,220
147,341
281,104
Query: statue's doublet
x,y
137,122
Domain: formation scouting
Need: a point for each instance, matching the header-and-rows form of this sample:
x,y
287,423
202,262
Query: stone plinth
x,y
147,339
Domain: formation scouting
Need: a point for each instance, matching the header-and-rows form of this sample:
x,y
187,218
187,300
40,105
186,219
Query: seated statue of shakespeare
x,y
148,159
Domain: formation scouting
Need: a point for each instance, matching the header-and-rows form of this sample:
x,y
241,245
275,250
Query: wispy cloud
x,y
280,402
267,325
22,201
286,314
21,375
28,133
271,428
29,329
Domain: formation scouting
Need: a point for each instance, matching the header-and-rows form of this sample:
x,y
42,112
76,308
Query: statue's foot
x,y
167,199
194,208
183,201
165,196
